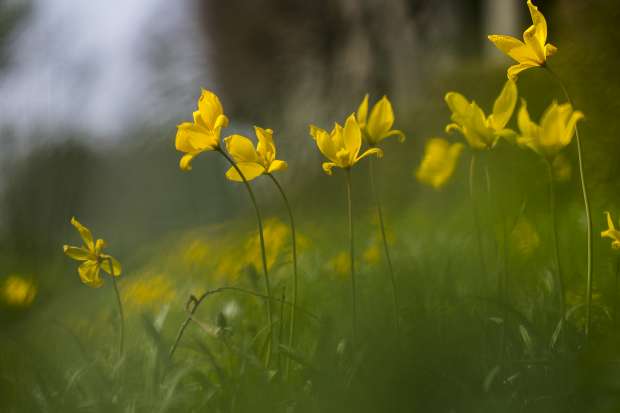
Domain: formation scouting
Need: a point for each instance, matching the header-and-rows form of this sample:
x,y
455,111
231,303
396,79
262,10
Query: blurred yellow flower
x,y
372,254
197,252
276,235
524,237
341,146
556,129
253,162
203,134
92,256
480,131
562,168
611,232
533,51
18,291
150,291
340,264
439,162
378,126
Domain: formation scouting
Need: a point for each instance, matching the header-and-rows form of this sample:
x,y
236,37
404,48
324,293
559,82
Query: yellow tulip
x,y
92,257
439,162
533,51
611,232
203,134
341,146
556,129
253,162
481,131
379,125
18,291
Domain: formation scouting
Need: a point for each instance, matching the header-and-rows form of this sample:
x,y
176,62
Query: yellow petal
x,y
324,142
241,149
569,129
250,170
504,105
327,167
610,222
532,42
105,265
191,138
380,121
85,233
394,132
439,162
459,106
210,108
186,160
77,253
550,50
362,112
372,151
514,70
265,147
99,246
539,23
352,137
277,166
514,48
89,274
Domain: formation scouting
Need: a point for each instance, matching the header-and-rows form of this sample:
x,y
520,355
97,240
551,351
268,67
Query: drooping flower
x,y
341,146
439,162
556,129
203,134
533,51
481,131
253,162
18,291
92,257
378,126
611,232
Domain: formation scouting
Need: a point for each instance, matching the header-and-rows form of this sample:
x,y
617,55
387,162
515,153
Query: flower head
x,y
379,125
92,257
481,131
611,232
533,51
556,129
203,134
18,291
253,162
341,146
440,159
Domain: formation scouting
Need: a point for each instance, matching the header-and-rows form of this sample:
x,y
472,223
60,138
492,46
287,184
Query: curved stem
x,y
291,337
554,233
262,250
193,303
472,194
375,193
586,203
352,260
120,310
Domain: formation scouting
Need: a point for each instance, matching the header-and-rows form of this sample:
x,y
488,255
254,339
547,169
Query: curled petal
x,y
89,274
77,253
85,233
394,132
186,161
116,266
454,127
550,50
514,70
372,151
327,167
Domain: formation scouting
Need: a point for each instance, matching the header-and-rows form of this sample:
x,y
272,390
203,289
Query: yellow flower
x,y
556,129
276,235
533,51
150,291
372,254
341,146
93,258
253,162
379,125
611,232
203,134
480,131
340,264
439,161
18,291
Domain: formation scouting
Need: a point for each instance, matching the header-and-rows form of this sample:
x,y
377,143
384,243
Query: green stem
x,y
616,292
352,260
291,337
586,203
262,249
120,310
554,233
375,193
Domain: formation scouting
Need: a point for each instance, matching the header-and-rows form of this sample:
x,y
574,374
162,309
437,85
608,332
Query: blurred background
x,y
91,93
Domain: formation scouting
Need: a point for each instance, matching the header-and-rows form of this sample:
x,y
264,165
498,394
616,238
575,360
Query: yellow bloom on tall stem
x,y
611,232
481,131
555,131
93,260
439,162
253,162
203,134
341,146
533,51
378,126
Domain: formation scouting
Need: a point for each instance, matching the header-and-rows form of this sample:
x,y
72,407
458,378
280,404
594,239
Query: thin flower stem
x,y
121,313
375,193
263,255
472,194
352,260
616,292
291,337
586,203
554,233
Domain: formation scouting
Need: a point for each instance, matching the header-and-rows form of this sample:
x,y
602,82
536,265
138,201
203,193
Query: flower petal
x,y
210,108
277,165
539,23
504,105
85,233
77,253
265,147
327,167
372,151
89,274
352,138
241,149
514,48
186,160
514,70
362,112
191,138
250,170
105,265
381,120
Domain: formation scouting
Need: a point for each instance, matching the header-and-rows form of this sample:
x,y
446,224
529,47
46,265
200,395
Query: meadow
x,y
461,256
